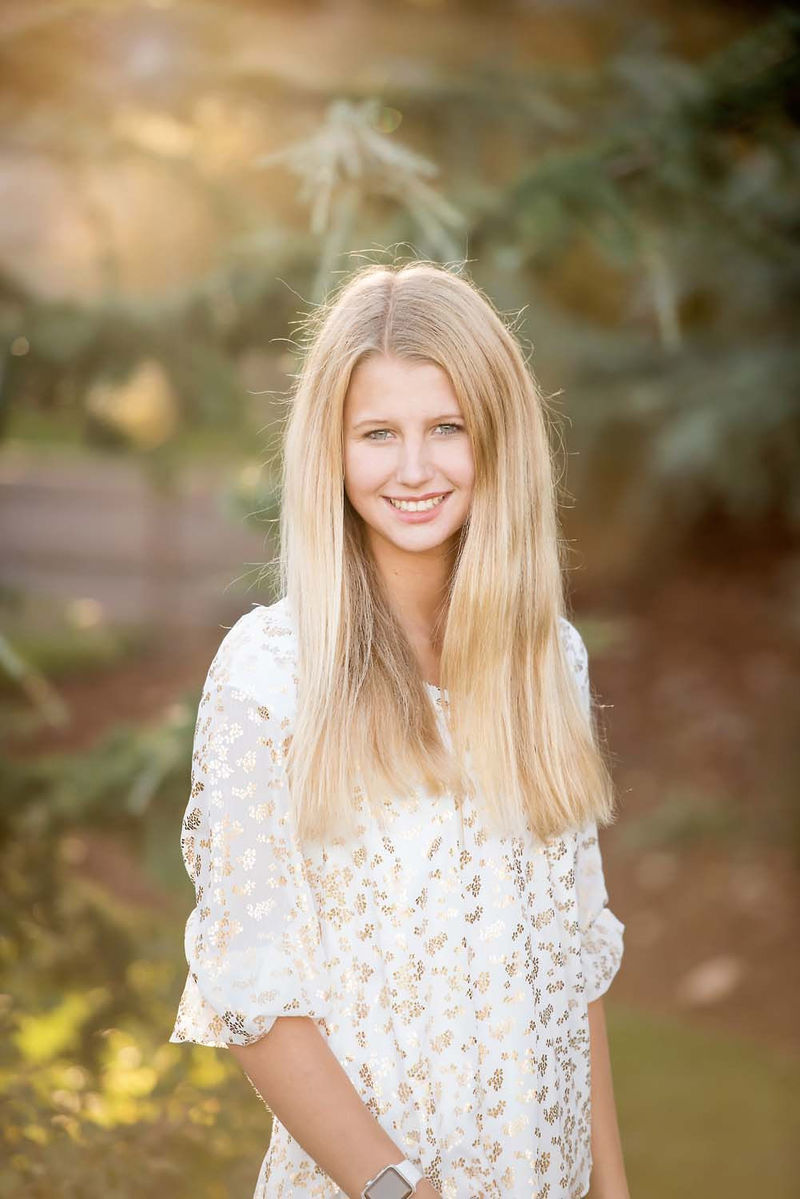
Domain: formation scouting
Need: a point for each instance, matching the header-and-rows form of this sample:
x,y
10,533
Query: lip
x,y
416,499
418,518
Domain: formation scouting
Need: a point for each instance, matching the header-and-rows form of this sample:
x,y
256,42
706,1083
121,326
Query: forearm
x,y
304,1085
608,1169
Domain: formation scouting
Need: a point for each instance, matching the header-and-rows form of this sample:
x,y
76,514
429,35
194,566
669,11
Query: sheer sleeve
x,y
252,942
601,932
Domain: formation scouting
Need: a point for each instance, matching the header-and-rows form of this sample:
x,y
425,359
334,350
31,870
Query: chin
x,y
414,540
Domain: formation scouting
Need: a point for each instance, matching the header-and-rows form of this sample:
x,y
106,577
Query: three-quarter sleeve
x,y
601,932
253,941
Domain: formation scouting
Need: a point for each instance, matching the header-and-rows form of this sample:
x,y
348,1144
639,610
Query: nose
x,y
414,466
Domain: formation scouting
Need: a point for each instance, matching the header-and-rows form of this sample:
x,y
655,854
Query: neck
x,y
417,587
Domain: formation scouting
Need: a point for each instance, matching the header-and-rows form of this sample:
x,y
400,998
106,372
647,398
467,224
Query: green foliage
x,y
669,184
710,145
687,188
59,653
348,160
95,1100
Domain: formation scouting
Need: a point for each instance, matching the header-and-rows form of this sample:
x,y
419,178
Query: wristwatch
x,y
394,1182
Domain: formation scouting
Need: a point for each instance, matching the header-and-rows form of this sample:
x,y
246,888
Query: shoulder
x,y
257,656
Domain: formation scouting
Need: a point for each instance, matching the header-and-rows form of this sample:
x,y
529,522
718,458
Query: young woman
x,y
402,930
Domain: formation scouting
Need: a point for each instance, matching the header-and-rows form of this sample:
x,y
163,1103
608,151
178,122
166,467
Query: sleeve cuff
x,y
601,953
201,1024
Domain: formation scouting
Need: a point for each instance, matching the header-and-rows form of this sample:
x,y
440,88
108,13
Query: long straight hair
x,y
365,725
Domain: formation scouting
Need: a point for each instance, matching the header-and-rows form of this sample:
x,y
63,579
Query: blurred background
x,y
180,180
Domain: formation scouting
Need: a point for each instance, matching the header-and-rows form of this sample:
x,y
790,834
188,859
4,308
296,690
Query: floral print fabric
x,y
450,976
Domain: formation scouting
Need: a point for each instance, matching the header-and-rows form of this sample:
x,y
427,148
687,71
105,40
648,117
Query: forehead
x,y
398,385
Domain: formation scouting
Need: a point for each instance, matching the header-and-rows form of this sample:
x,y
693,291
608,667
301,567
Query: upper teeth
x,y
416,505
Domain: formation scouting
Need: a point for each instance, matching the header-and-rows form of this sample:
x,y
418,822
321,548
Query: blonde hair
x,y
365,723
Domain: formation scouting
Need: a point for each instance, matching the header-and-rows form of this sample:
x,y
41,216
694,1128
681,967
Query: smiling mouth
x,y
418,505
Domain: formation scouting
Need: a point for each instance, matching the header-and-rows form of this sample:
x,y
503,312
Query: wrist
x,y
426,1190
397,1180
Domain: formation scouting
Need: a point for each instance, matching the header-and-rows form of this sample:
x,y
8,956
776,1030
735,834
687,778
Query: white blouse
x,y
451,978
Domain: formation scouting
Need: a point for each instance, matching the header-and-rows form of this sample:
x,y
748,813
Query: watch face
x,y
390,1185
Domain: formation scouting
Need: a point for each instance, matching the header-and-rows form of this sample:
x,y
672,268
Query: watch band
x,y
387,1181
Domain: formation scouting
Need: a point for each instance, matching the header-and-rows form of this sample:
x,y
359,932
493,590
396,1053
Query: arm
x,y
258,974
601,955
300,1079
608,1168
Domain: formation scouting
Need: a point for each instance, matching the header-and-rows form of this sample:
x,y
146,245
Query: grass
x,y
703,1115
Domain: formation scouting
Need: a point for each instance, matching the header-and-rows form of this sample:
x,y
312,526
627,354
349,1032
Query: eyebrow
x,y
383,420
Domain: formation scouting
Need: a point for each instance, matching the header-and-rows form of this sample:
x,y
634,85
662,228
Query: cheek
x,y
362,470
460,466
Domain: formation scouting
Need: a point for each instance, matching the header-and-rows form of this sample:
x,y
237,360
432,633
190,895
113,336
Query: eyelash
x,y
444,425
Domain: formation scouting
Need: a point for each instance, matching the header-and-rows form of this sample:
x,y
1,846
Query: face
x,y
405,442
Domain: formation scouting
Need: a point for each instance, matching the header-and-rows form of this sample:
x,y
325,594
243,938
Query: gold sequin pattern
x,y
449,968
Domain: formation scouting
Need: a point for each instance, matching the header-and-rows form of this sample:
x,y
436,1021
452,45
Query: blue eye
x,y
374,434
